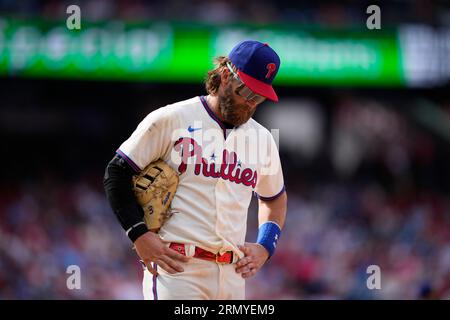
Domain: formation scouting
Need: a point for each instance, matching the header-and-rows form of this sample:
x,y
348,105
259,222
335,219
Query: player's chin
x,y
237,119
244,119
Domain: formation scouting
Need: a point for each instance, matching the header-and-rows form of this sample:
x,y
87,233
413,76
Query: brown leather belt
x,y
200,253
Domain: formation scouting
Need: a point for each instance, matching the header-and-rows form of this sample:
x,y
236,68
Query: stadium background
x,y
365,147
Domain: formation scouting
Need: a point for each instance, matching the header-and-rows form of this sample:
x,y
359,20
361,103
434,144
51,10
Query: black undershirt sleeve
x,y
118,189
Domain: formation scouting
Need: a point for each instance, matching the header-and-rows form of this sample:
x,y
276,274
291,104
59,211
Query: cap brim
x,y
258,87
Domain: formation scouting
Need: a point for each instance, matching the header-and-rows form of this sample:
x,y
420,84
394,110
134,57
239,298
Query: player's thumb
x,y
150,268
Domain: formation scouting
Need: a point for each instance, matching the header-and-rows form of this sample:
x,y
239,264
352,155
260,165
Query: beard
x,y
232,112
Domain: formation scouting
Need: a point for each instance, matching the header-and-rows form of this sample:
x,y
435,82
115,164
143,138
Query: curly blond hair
x,y
212,79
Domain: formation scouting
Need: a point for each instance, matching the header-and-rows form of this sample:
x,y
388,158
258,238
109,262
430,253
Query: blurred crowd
x,y
48,226
333,233
372,192
323,13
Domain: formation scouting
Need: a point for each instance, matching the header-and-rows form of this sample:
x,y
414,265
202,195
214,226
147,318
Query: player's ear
x,y
225,75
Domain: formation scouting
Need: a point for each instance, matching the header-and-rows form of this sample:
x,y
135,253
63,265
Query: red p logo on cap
x,y
271,67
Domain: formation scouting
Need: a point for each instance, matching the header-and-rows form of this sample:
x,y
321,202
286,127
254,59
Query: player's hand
x,y
255,255
151,248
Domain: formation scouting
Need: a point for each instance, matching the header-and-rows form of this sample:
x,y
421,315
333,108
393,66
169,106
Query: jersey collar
x,y
211,113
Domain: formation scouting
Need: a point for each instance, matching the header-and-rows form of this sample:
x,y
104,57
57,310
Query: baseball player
x,y
200,252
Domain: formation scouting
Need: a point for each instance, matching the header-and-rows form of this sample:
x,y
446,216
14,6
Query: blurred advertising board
x,y
183,52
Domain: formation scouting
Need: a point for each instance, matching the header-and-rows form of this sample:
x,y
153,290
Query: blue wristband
x,y
268,235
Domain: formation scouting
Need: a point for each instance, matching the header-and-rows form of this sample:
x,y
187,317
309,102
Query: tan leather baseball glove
x,y
155,187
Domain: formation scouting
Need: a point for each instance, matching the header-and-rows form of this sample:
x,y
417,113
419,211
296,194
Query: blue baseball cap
x,y
257,65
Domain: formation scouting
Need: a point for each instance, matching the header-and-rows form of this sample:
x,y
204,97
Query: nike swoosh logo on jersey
x,y
190,129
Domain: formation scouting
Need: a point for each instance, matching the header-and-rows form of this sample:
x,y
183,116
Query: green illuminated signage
x,y
184,52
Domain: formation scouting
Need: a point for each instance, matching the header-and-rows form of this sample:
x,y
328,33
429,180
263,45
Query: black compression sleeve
x,y
117,184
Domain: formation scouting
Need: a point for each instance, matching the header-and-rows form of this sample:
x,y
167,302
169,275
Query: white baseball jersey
x,y
219,171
